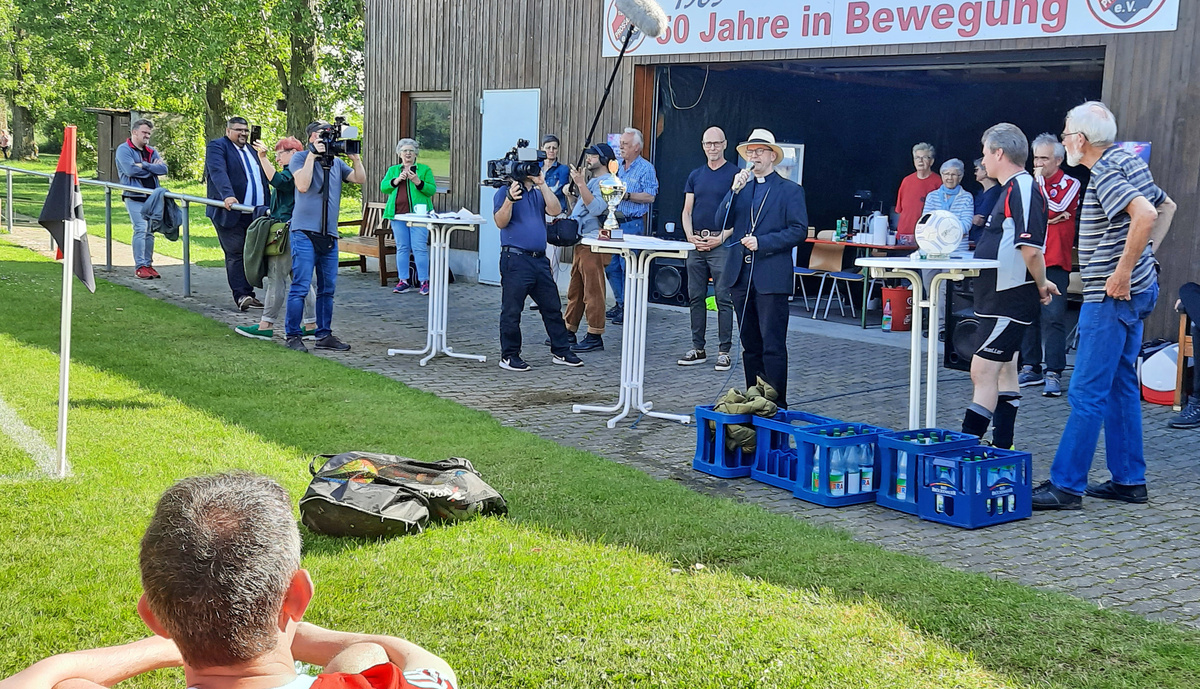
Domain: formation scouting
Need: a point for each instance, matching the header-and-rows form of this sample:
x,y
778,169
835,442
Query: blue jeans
x,y
306,257
414,240
616,267
143,239
1104,393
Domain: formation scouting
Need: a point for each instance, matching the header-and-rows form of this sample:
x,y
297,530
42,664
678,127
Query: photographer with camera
x,y
585,294
520,214
319,175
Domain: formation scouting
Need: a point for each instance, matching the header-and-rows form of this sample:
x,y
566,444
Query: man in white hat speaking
x,y
769,218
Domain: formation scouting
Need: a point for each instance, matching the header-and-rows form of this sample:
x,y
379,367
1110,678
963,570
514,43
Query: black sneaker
x,y
515,363
294,342
613,311
1115,491
618,318
1188,418
332,343
1048,497
693,357
568,359
590,343
570,339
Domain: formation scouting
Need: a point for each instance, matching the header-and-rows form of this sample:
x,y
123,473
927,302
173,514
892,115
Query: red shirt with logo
x,y
1062,196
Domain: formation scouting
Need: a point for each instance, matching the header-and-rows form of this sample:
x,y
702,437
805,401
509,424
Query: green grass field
x,y
29,193
590,582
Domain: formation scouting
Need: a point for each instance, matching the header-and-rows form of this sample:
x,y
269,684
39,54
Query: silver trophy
x,y
612,190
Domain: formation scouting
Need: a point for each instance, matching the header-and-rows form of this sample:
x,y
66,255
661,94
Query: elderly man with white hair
x,y
1062,198
1124,215
641,186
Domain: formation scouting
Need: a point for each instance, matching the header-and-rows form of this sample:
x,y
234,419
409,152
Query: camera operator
x,y
525,271
319,176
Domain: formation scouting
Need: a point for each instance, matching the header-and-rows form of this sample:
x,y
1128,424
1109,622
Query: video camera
x,y
516,165
339,139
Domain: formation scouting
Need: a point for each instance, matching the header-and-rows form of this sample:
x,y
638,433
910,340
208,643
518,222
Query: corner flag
x,y
62,214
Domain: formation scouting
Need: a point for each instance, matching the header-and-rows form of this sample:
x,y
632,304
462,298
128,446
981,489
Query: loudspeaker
x,y
962,326
668,281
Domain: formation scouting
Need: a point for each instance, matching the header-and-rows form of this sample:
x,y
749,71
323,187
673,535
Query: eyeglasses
x,y
240,130
713,144
756,151
922,157
1066,134
407,150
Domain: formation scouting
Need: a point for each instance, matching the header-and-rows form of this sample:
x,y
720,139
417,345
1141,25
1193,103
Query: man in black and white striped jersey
x,y
1006,298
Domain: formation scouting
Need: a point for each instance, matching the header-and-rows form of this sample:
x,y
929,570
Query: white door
x,y
508,115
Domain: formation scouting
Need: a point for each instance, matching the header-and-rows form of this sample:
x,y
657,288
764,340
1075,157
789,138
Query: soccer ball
x,y
939,233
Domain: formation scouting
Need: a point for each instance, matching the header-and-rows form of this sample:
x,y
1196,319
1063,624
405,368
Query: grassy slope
x,y
29,193
575,588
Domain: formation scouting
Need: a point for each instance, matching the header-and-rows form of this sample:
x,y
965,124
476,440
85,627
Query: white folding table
x,y
908,268
638,252
439,281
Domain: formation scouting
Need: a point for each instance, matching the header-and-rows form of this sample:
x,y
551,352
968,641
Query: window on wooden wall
x,y
429,123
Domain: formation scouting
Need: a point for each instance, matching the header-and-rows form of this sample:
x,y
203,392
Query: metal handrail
x,y
187,199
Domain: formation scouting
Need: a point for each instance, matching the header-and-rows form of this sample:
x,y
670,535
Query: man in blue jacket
x,y
139,165
234,176
769,218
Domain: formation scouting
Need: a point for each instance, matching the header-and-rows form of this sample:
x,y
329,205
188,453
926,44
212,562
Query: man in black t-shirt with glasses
x,y
1006,298
705,188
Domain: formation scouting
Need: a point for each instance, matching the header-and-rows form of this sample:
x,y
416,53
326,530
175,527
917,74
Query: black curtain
x,y
858,129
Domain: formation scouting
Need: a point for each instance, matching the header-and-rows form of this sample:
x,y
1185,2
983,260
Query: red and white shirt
x,y
1062,196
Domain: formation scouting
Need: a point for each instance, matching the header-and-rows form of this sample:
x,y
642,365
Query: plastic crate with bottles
x,y
900,455
838,463
976,487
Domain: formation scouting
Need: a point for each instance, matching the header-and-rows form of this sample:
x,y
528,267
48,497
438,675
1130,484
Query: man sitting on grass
x,y
224,595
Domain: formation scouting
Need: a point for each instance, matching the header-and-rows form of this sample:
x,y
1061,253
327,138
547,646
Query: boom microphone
x,y
647,15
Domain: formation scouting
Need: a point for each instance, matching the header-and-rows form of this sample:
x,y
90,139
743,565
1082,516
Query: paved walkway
x,y
1140,558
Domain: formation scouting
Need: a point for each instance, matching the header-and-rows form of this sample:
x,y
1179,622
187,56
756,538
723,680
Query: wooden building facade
x,y
457,49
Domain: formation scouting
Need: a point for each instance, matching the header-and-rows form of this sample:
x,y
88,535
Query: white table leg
x,y
643,318
439,289
626,344
914,354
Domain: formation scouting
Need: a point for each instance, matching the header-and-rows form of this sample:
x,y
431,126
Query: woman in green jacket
x,y
409,186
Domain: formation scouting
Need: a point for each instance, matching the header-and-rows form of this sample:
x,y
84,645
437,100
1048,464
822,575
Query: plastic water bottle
x,y
887,315
866,468
816,472
837,471
901,475
853,469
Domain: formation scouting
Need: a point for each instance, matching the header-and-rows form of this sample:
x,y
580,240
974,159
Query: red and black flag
x,y
63,213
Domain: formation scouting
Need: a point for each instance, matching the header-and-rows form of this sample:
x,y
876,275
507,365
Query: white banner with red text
x,y
715,26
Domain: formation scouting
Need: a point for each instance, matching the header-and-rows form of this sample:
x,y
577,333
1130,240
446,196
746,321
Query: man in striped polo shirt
x,y
1120,288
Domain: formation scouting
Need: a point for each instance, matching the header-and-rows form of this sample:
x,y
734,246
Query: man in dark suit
x,y
769,218
234,176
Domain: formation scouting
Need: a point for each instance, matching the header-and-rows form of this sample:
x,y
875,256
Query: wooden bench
x,y
374,240
1186,348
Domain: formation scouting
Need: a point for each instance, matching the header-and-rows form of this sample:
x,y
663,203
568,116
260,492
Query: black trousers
x,y
523,276
233,243
763,323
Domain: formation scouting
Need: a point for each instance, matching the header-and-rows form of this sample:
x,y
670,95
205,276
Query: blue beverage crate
x,y
776,448
972,494
812,484
892,444
712,456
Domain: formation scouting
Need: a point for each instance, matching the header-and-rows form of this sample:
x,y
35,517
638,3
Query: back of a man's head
x,y
216,561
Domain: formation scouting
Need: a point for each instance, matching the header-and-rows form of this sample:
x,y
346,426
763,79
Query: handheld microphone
x,y
750,167
646,15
